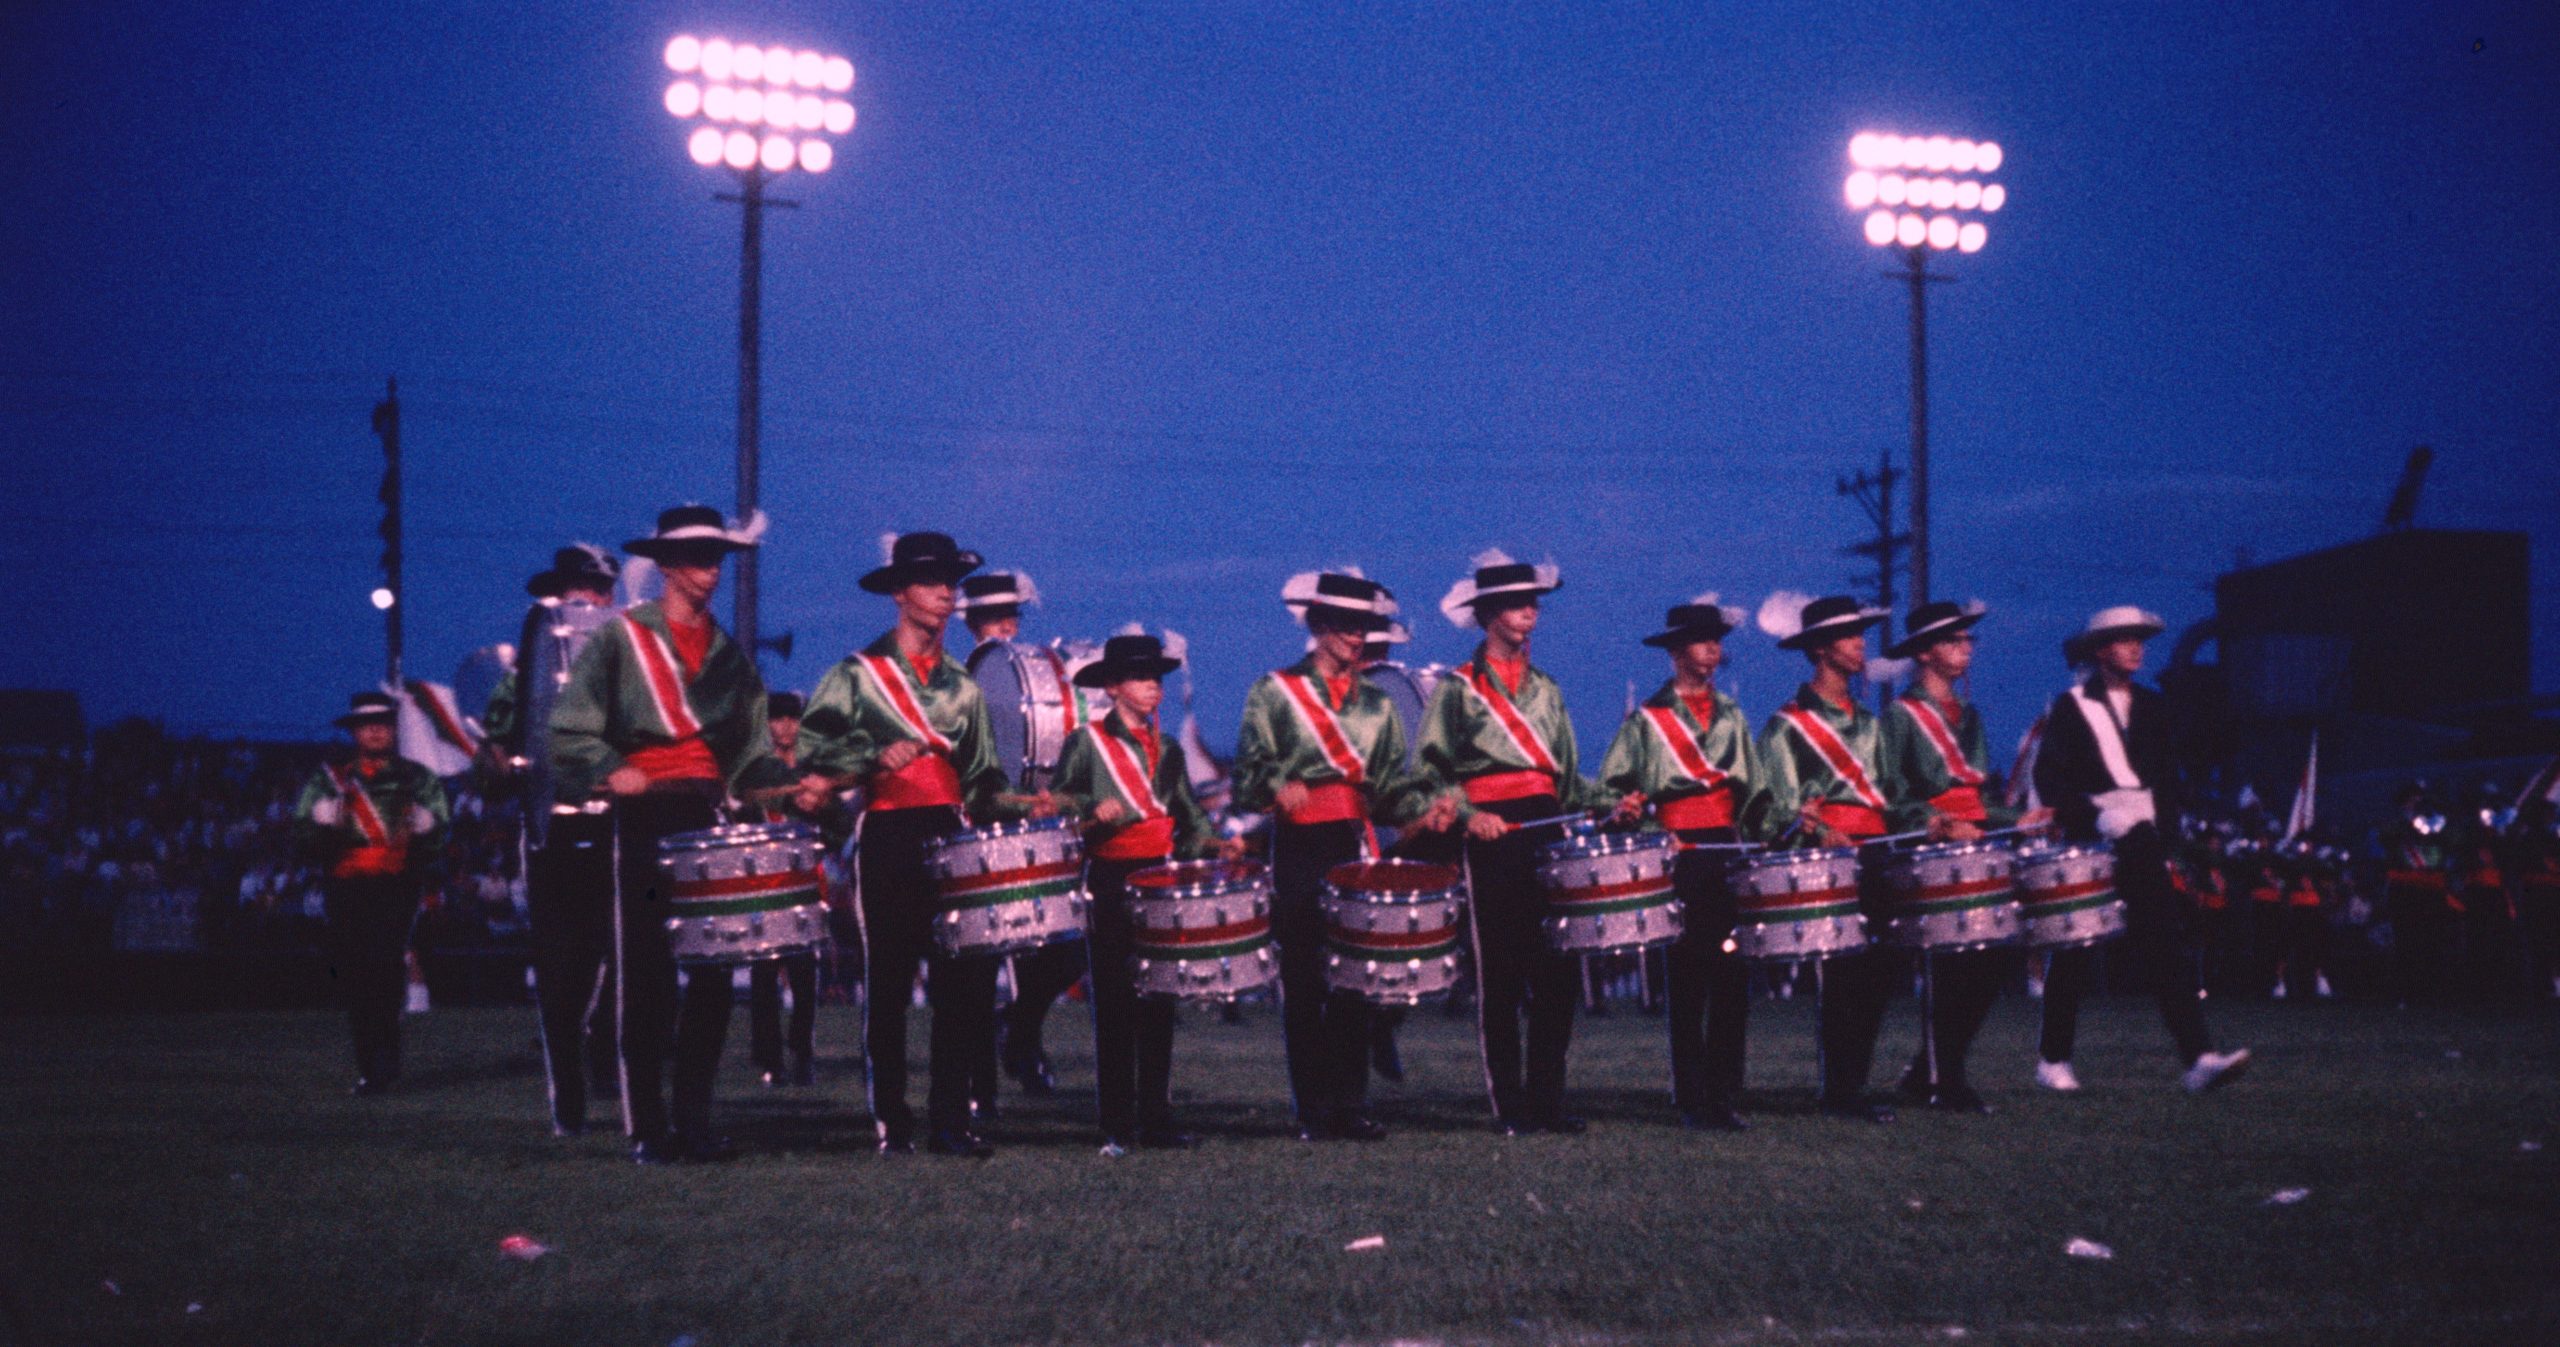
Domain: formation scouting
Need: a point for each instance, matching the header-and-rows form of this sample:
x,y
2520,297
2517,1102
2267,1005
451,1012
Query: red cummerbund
x,y
1145,840
1964,802
1330,802
924,783
1494,787
1852,821
1713,809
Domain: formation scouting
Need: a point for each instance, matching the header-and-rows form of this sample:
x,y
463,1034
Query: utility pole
x,y
1917,275
752,202
386,425
1874,494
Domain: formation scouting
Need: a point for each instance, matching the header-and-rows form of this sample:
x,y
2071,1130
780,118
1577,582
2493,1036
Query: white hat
x,y
1496,574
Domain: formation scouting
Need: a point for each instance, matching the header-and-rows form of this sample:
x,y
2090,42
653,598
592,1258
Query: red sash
x,y
1514,726
1942,737
1678,735
1134,780
1835,754
660,672
1322,724
381,854
897,687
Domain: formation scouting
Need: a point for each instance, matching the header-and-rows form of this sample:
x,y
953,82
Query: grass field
x,y
211,1168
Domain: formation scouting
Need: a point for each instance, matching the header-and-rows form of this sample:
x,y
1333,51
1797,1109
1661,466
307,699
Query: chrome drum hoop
x,y
744,892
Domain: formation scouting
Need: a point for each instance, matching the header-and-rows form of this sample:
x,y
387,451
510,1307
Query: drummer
x,y
1322,749
1498,750
661,713
1936,761
1822,754
785,1054
1688,755
1126,779
902,718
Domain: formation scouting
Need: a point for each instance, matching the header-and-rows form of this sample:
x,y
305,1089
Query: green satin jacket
x,y
1916,771
1797,772
1275,745
1084,781
1462,736
1639,760
609,708
849,721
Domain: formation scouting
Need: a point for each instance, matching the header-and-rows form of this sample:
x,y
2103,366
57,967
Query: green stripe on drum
x,y
1391,954
699,908
1645,900
1200,953
1940,906
1789,916
1054,888
2033,911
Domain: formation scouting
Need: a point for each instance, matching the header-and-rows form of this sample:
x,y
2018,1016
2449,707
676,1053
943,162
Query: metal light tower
x,y
1918,192
764,111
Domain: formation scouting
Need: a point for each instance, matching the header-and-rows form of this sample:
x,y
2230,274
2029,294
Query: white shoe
x,y
2057,1077
2216,1068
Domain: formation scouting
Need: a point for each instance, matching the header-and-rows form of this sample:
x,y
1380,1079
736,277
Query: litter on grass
x,y
1536,1205
2285,1197
112,1288
1365,1243
523,1248
2528,1147
2087,1248
195,1307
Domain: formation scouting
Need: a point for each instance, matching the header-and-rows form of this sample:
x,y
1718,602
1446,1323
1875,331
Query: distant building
x,y
38,718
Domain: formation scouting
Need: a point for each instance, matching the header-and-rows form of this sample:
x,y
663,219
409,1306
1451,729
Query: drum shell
x,y
1791,905
1408,690
1392,930
1008,887
1610,893
744,893
1201,930
1029,689
1948,897
2067,897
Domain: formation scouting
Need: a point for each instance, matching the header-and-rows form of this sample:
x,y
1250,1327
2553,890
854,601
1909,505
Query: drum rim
x,y
1248,876
1773,858
1594,844
735,834
999,831
2047,851
1949,850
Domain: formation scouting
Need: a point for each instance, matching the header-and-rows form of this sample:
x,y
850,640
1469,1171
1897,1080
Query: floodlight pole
x,y
1916,273
752,201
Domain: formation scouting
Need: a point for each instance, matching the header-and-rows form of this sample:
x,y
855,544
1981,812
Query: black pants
x,y
1040,977
1963,985
659,1021
2421,941
1851,992
898,899
1705,981
2155,942
569,898
1132,1034
765,1040
368,935
1518,978
1325,1032
2306,951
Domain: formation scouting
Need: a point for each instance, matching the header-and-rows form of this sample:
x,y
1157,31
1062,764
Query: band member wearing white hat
x,y
372,821
2107,770
906,721
1823,756
1498,748
1688,755
1321,748
661,714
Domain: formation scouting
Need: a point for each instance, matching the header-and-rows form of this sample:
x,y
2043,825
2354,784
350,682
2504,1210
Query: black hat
x,y
921,559
783,705
996,595
1345,596
1931,623
689,527
1135,655
1801,624
369,708
577,566
1700,619
1500,581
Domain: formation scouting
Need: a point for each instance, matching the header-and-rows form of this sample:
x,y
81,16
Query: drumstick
x,y
1548,822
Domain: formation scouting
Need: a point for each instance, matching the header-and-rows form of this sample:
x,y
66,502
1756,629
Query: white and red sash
x,y
2109,737
664,676
1130,777
1942,737
902,694
1322,725
1835,754
1071,716
1681,739
1515,727
360,807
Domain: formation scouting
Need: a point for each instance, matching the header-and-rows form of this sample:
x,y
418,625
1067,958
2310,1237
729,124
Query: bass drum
x,y
1409,690
1033,704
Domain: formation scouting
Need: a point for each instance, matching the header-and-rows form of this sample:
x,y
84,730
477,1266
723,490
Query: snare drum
x,y
1952,896
1202,930
1609,892
1008,887
1033,704
2067,896
1391,929
743,893
1797,904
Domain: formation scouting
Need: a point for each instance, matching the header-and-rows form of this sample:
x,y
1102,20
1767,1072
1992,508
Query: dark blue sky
x,y
1162,302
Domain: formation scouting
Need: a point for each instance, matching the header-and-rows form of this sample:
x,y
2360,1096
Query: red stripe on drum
x,y
699,890
959,886
1602,893
2063,893
1401,942
1176,938
1791,902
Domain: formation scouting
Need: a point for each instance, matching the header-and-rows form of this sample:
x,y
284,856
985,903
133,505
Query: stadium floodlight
x,y
383,598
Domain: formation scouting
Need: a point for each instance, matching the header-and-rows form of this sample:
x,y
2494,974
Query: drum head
x,y
1391,877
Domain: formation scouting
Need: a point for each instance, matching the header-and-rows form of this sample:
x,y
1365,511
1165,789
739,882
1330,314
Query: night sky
x,y
1163,302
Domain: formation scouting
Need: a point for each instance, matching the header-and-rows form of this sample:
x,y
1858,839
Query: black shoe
x,y
896,1143
1915,1084
1513,1127
958,1141
565,1128
706,1150
1713,1118
368,1086
1033,1075
982,1110
804,1072
1857,1111
1358,1127
772,1078
654,1152
1562,1124
1386,1059
1959,1098
1165,1137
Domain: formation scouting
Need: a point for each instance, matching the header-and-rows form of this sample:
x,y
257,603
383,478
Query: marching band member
x,y
1936,761
1688,754
1127,780
373,822
1499,751
2417,893
783,1060
1822,755
1321,748
2105,768
661,713
902,717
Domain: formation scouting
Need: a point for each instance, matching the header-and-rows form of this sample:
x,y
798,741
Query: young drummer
x,y
904,719
662,712
1126,778
1499,751
1936,760
1687,753
1821,752
372,822
1321,749
784,1054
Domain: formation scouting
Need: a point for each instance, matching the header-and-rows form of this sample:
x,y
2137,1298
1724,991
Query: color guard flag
x,y
2545,785
2021,792
2299,821
433,731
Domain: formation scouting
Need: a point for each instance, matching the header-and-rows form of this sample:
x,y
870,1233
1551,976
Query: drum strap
x,y
660,673
1942,737
898,689
1835,754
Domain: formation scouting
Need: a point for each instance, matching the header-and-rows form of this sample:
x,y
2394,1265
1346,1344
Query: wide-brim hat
x,y
688,527
995,595
1700,619
577,566
1800,623
1347,596
2111,624
1497,576
1931,623
1132,655
919,559
369,708
783,706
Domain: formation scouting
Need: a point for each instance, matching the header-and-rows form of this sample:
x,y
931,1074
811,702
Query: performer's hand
x,y
2035,820
1486,827
627,781
1045,805
1630,807
325,813
1231,848
420,821
812,793
1291,796
1437,818
1110,811
1954,829
896,756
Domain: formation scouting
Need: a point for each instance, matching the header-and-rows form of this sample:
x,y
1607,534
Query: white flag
x,y
433,731
2021,791
2545,785
2299,821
